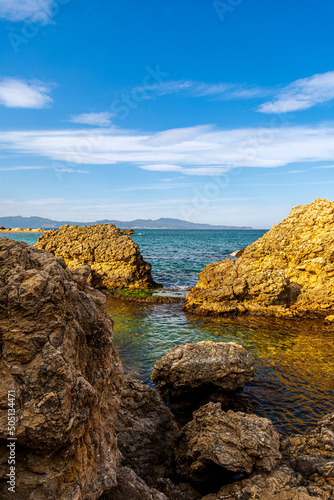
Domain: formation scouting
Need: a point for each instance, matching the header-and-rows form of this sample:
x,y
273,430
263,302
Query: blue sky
x,y
218,112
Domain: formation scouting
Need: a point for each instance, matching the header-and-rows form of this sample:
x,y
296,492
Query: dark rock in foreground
x,y
280,484
226,365
57,355
229,441
146,431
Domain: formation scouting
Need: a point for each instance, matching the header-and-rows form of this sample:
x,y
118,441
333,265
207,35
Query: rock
x,y
56,353
146,431
127,231
132,487
226,365
215,441
312,455
182,491
289,272
114,258
329,320
2,228
280,484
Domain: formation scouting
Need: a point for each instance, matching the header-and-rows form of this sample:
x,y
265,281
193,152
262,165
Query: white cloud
x,y
96,119
20,94
27,10
202,150
302,94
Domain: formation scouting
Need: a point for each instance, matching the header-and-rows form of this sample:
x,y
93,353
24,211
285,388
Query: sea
x,y
294,383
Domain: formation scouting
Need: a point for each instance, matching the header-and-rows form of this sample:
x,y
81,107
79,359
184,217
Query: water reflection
x,y
294,385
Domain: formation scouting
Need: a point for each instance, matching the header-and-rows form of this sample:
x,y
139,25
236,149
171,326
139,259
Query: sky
x,y
215,112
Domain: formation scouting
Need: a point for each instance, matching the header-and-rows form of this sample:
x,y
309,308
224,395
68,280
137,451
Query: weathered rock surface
x,y
312,456
131,487
280,484
226,365
146,431
114,257
216,440
288,272
56,352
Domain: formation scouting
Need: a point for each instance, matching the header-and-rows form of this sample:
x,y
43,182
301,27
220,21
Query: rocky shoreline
x,y
84,431
20,230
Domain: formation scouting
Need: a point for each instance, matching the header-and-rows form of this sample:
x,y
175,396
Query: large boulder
x,y
114,258
61,374
288,272
216,441
146,431
226,365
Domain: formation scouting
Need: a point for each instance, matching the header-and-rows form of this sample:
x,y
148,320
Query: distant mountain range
x,y
163,223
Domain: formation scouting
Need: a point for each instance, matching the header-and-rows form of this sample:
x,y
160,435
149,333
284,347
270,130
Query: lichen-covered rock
x,y
280,484
288,272
312,455
215,440
113,256
146,431
226,365
57,355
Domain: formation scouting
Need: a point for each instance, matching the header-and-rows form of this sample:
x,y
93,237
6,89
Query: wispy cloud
x,y
323,167
20,94
201,150
215,91
27,10
96,119
302,94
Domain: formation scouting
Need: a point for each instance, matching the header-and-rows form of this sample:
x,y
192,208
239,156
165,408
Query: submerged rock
x,y
215,441
146,431
58,361
226,365
288,272
113,256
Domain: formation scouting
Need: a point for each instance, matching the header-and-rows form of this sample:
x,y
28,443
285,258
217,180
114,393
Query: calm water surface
x,y
294,385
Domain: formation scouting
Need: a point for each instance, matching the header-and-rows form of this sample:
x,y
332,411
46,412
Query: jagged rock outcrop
x,y
146,431
280,484
288,272
312,455
114,258
56,353
216,441
226,365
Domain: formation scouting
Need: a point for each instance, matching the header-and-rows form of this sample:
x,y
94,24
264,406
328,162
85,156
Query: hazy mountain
x,y
163,223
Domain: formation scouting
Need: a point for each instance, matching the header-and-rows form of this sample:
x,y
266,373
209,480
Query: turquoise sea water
x,y
294,385
178,256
